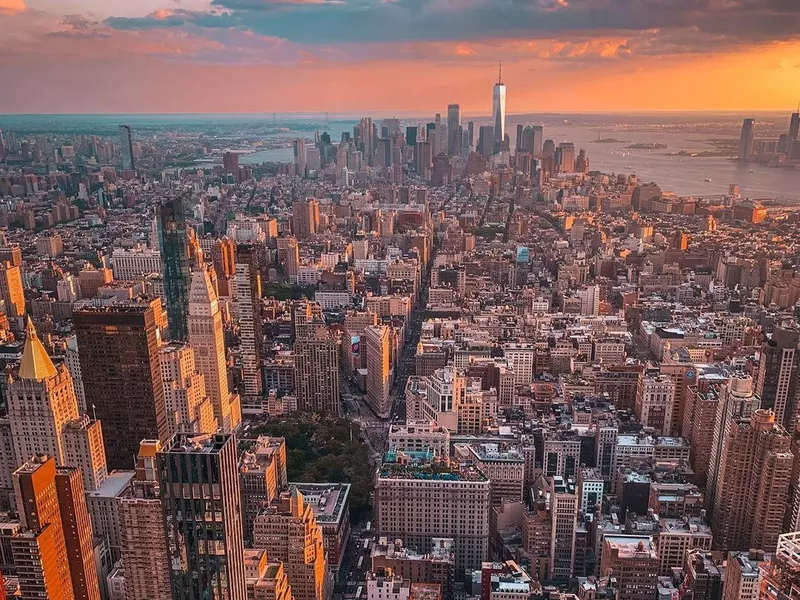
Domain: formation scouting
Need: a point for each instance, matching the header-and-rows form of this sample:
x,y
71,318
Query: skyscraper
x,y
300,157
118,349
53,553
176,261
415,506
262,476
77,533
655,402
199,486
187,406
126,146
230,164
792,142
563,506
42,565
378,369
11,290
737,402
775,380
41,401
538,140
423,158
367,145
316,357
289,532
73,362
84,448
248,313
499,109
144,546
752,493
485,141
223,257
453,129
747,140
794,128
305,218
207,339
566,164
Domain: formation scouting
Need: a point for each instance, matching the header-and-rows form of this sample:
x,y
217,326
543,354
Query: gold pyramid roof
x,y
35,363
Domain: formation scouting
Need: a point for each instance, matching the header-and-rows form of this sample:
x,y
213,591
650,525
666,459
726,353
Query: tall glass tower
x,y
200,495
499,109
175,256
126,146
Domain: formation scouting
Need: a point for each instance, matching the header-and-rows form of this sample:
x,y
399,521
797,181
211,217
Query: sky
x,y
166,56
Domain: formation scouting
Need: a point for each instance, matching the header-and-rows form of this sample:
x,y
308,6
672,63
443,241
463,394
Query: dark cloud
x,y
77,22
706,24
79,27
133,23
79,35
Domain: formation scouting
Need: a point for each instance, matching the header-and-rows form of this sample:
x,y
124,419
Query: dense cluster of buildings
x,y
573,384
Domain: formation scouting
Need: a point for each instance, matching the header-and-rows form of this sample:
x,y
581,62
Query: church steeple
x,y
35,363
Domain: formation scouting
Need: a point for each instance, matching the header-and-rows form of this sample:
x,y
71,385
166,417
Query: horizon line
x,y
401,114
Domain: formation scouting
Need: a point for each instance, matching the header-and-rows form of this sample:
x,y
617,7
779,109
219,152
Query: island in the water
x,y
600,140
647,146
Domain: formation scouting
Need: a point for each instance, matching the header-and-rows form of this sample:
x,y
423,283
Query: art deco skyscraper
x,y
176,259
289,532
53,553
199,484
188,408
248,312
753,489
118,348
41,401
262,475
499,109
207,339
367,139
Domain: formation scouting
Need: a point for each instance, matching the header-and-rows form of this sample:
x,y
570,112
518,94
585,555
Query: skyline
x,y
254,56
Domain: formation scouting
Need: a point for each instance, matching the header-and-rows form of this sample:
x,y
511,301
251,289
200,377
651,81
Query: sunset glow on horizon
x,y
89,56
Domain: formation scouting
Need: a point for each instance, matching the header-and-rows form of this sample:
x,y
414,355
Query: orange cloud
x,y
465,50
12,6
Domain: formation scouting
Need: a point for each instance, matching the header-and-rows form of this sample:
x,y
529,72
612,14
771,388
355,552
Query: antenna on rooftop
x,y
500,73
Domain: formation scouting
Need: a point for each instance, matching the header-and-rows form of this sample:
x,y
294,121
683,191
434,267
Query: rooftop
x,y
205,444
631,546
327,500
497,452
113,486
430,473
